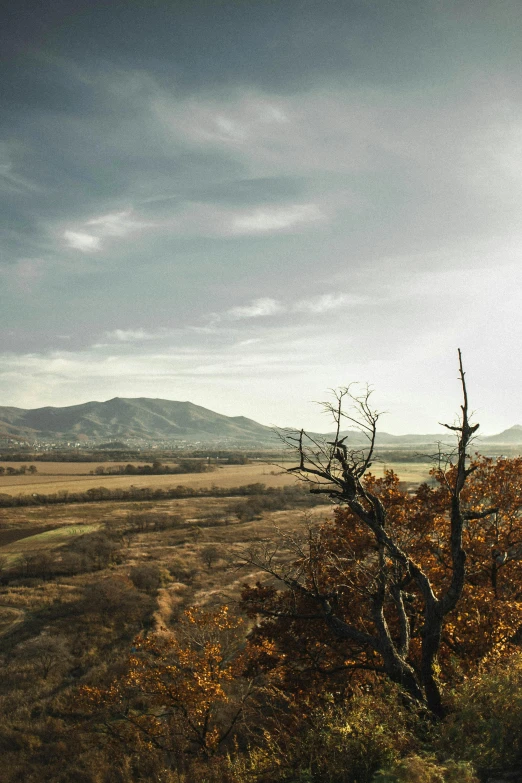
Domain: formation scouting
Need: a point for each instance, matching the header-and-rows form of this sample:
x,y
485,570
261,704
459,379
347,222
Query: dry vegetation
x,y
76,477
190,527
81,581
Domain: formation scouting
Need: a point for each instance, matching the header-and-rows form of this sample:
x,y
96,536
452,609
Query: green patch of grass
x,y
49,539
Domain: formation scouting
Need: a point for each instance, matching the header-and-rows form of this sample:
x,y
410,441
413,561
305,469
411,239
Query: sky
x,y
247,203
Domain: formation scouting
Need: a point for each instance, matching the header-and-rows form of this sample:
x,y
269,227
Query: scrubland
x,y
86,586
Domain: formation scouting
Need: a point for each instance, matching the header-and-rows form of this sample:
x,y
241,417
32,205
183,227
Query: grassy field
x,y
75,477
46,540
198,523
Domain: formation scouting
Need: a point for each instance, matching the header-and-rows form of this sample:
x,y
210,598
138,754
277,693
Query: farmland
x,y
53,477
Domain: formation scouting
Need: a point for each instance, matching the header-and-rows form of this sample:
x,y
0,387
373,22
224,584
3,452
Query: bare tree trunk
x,y
337,472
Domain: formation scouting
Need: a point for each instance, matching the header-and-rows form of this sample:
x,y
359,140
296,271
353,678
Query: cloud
x,y
189,217
259,308
78,240
131,335
10,180
266,306
24,274
116,224
327,302
113,224
236,122
268,220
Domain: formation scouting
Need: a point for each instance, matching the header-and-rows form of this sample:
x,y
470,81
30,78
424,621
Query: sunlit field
x,y
76,477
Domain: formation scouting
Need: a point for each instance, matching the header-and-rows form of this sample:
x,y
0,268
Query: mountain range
x,y
144,418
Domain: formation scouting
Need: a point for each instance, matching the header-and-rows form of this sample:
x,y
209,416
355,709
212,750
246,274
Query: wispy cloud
x,y
259,308
326,302
89,236
267,306
267,220
10,178
24,274
116,224
131,335
238,122
79,240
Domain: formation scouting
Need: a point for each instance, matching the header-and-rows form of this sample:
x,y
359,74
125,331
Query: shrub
x,y
210,555
46,653
425,769
485,722
147,577
116,599
337,744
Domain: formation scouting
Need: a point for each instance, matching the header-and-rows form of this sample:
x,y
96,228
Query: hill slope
x,y
511,435
142,417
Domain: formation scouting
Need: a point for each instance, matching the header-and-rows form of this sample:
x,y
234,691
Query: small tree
x,y
210,555
183,692
377,588
147,577
46,653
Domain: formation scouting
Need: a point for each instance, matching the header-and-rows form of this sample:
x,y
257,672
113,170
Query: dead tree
x,y
333,469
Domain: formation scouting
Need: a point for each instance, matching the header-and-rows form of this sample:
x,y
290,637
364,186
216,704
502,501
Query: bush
x,y
46,653
485,722
333,745
115,599
147,577
145,521
425,769
180,571
98,550
210,555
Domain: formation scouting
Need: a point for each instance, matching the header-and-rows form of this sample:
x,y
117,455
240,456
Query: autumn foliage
x,y
214,680
181,692
341,559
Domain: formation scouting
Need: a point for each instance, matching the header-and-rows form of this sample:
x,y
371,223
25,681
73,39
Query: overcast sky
x,y
244,204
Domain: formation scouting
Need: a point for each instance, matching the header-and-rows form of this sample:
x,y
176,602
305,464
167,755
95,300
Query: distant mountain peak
x,y
511,435
134,418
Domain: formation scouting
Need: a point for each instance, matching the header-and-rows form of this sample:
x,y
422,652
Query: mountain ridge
x,y
130,418
154,418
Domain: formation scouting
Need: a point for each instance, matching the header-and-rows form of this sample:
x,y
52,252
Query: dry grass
x,y
408,472
74,477
62,479
9,618
197,523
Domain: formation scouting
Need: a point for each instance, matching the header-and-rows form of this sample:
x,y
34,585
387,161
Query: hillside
x,y
140,418
511,435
